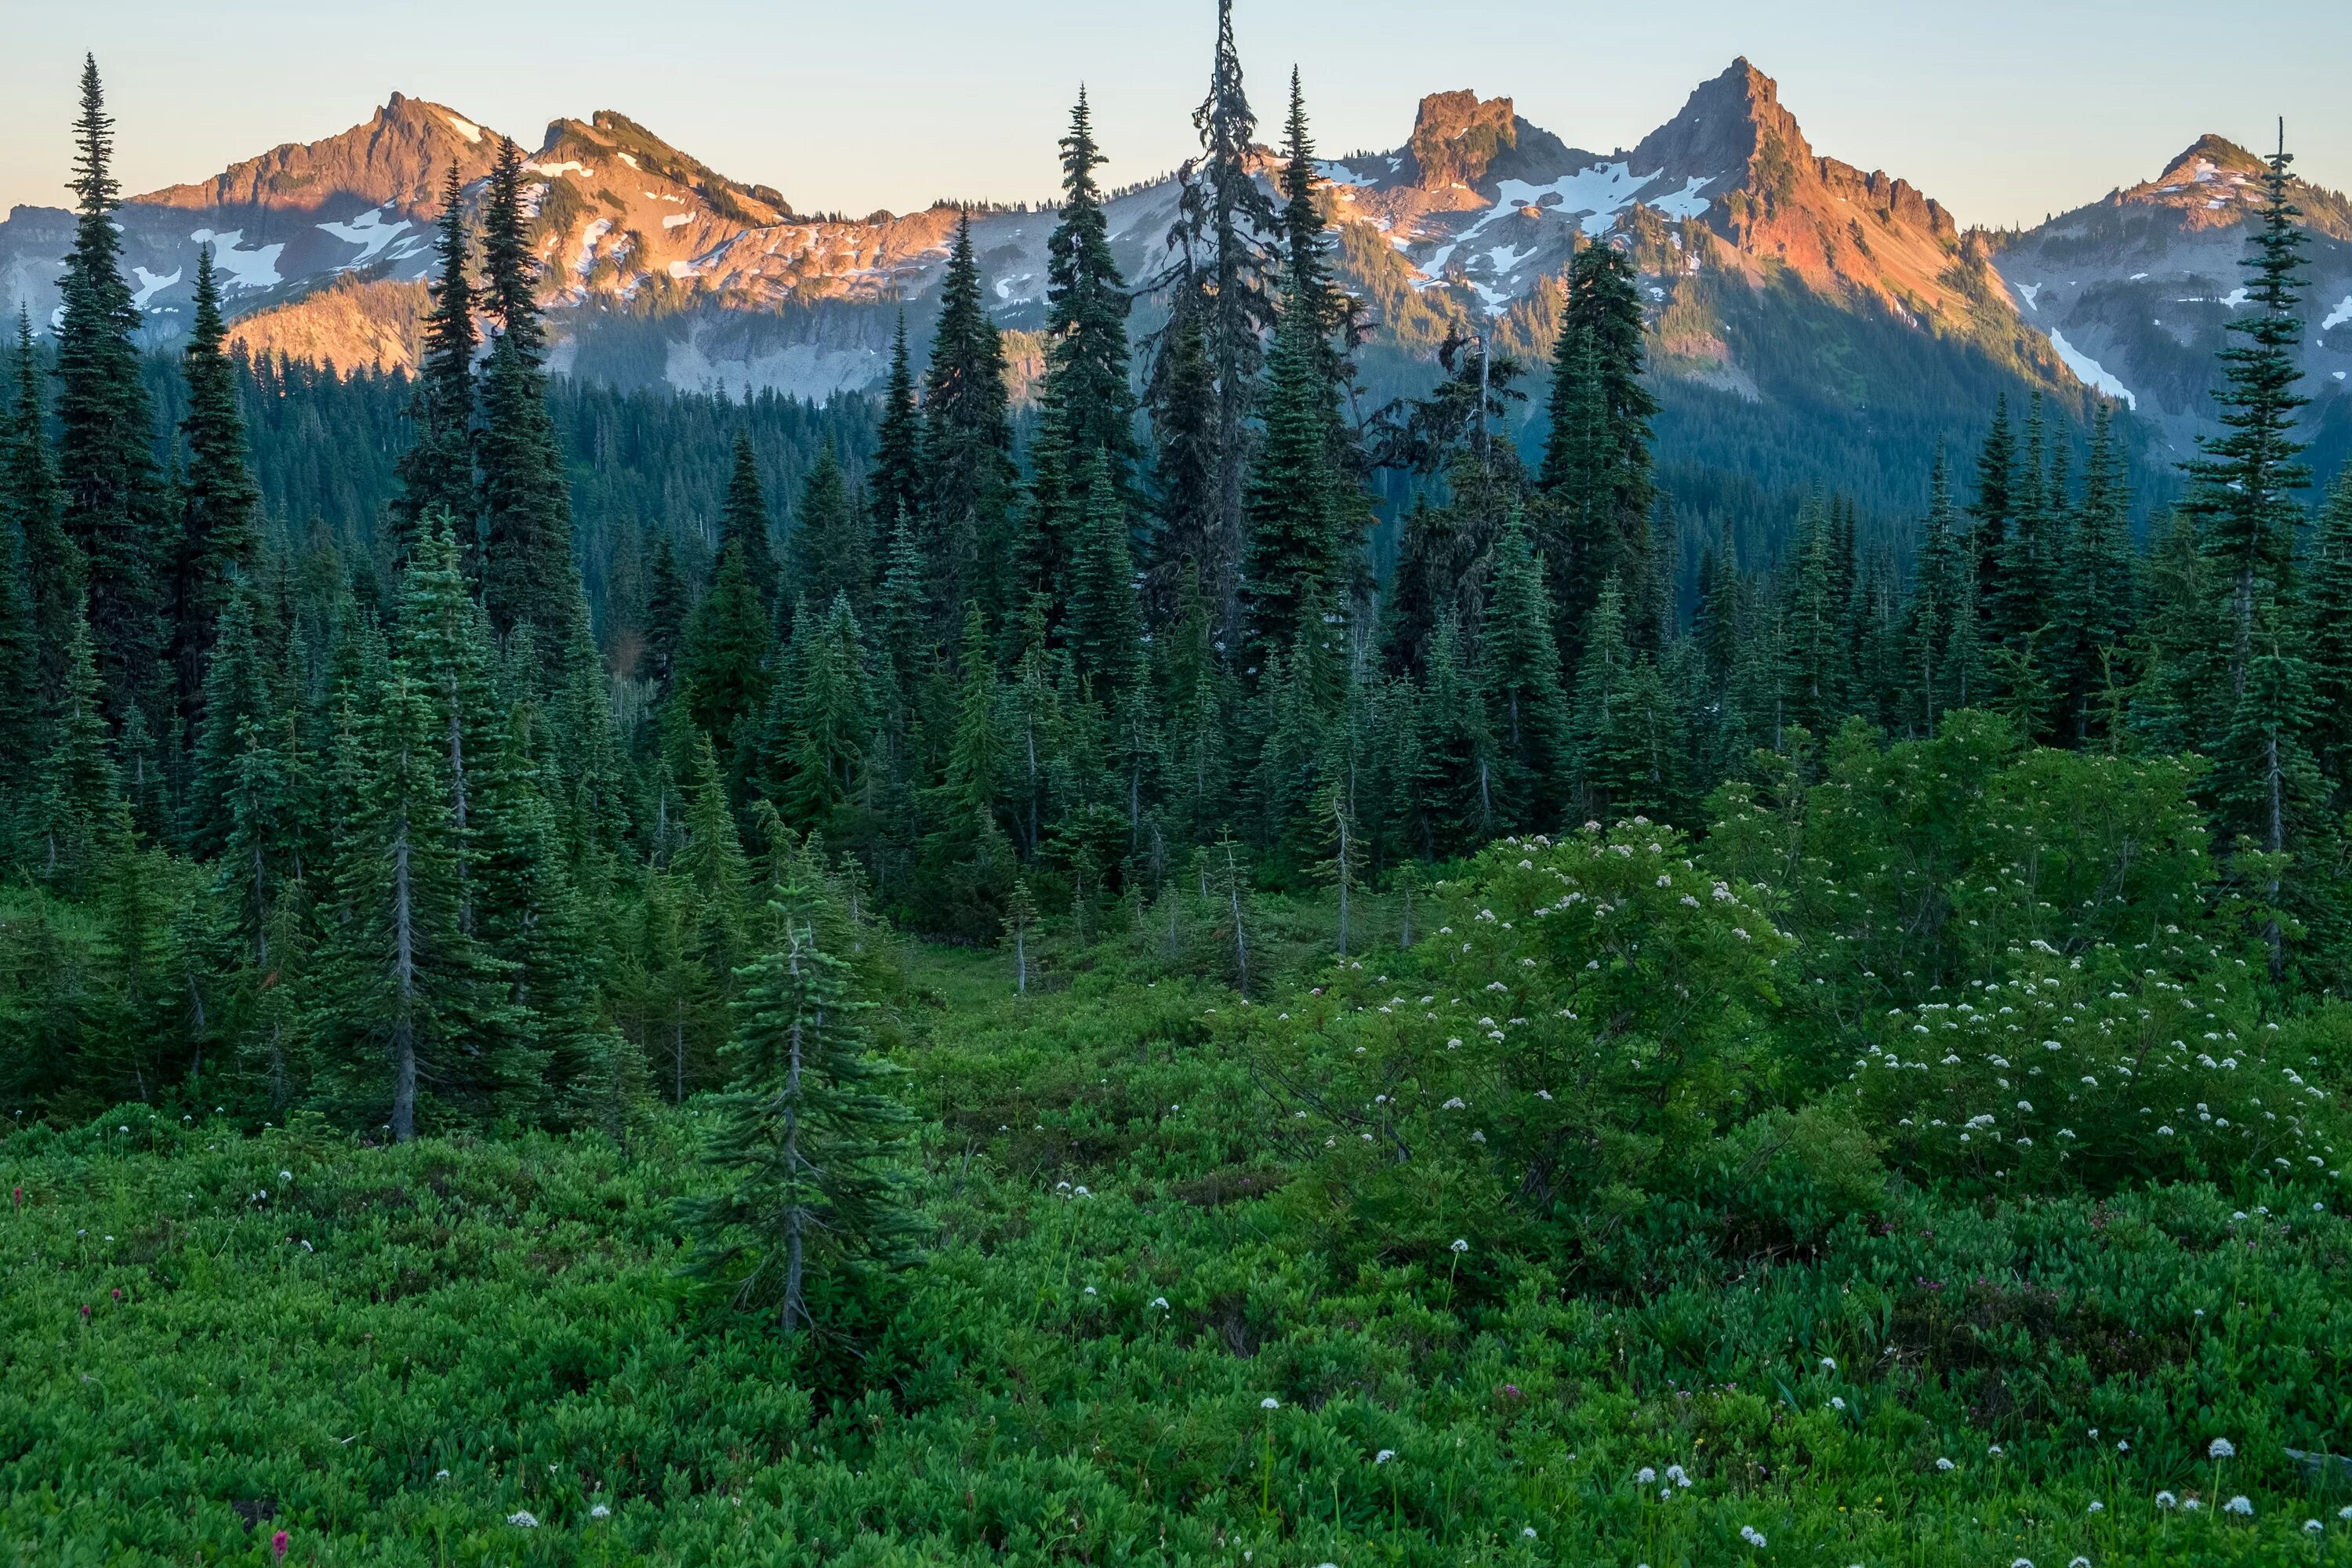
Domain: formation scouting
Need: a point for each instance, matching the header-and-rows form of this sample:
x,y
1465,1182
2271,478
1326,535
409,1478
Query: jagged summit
x,y
397,159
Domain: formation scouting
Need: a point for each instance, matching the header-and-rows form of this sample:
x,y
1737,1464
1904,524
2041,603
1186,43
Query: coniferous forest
x,y
612,977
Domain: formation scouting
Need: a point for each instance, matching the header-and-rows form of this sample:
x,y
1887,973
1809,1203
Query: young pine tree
x,y
807,1134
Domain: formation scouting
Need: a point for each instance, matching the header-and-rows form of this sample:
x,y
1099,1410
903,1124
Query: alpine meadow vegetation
x,y
599,978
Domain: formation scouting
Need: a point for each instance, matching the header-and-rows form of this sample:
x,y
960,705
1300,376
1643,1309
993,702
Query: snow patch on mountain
x,y
2090,372
464,127
1685,203
569,166
254,268
369,232
149,283
2338,316
677,220
2026,291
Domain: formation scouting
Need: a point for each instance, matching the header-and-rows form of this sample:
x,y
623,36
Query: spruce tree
x,y
723,676
218,498
529,580
667,607
1596,464
2325,592
2094,603
896,480
80,800
114,509
53,570
1524,685
1294,573
967,441
1086,398
743,525
1224,271
806,1134
832,557
1940,634
1181,554
2244,480
1994,512
409,1003
245,701
437,472
1105,628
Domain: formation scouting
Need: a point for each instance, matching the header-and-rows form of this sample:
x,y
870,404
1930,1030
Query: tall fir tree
x,y
1525,690
1294,573
529,579
1941,657
115,509
1596,473
1086,404
1181,556
436,471
743,524
411,1010
896,480
2244,480
218,497
2325,594
2094,603
831,555
1224,277
52,566
1105,628
966,442
723,673
80,804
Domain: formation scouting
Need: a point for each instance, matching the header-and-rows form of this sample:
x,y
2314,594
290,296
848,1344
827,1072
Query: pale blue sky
x,y
2003,111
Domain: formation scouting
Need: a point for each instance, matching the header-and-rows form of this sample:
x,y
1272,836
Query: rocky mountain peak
x,y
1732,123
1456,134
397,159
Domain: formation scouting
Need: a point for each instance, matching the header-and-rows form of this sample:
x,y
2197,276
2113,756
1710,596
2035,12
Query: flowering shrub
x,y
1585,1016
2080,1072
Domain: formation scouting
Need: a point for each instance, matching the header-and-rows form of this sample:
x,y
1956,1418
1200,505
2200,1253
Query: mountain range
x,y
1811,324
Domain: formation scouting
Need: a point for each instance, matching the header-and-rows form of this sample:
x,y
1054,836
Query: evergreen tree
x,y
51,564
2326,605
1994,512
723,676
1181,554
1818,652
744,526
806,1134
529,580
821,730
1086,398
81,800
2093,604
1524,685
1104,629
967,441
667,607
896,480
1939,639
245,702
114,506
437,472
902,606
218,498
2245,480
1221,289
1597,465
1294,573
409,1003
832,557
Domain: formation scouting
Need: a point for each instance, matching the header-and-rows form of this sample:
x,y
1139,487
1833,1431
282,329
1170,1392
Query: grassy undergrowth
x,y
1148,1331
